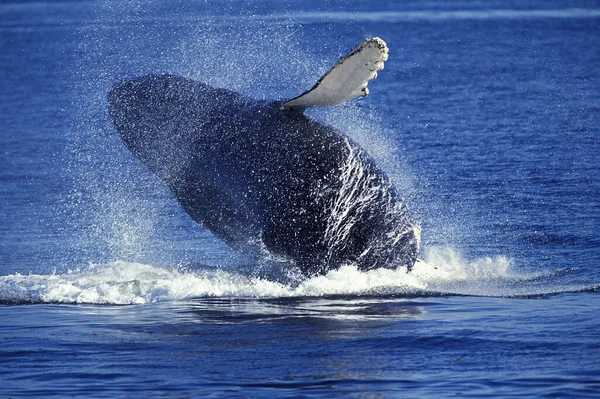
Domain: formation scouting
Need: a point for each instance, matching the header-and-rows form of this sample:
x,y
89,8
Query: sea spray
x,y
118,283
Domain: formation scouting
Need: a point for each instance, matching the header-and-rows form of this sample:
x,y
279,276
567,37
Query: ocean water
x,y
486,117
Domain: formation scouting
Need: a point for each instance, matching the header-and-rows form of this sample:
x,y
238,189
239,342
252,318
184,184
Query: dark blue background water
x,y
486,116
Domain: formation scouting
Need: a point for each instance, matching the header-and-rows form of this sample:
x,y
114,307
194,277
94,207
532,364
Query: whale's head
x,y
162,119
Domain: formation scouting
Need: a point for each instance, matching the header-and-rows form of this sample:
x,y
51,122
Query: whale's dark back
x,y
268,182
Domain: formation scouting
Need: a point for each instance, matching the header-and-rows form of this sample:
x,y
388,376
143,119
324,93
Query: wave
x,y
442,272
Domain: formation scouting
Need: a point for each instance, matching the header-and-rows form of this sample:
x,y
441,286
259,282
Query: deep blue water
x,y
486,116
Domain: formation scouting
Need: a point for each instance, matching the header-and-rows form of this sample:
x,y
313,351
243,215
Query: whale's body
x,y
263,177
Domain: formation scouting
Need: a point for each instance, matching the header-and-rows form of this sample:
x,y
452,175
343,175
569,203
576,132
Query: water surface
x,y
486,117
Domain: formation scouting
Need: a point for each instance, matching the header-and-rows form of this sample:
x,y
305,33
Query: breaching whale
x,y
266,179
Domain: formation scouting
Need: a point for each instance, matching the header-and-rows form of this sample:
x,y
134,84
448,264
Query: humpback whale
x,y
269,181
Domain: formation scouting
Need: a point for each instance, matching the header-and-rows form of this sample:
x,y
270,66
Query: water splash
x,y
443,272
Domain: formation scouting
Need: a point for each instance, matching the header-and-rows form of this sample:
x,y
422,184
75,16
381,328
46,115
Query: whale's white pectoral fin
x,y
347,79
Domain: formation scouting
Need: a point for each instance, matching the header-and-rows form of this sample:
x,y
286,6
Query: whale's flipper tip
x,y
348,79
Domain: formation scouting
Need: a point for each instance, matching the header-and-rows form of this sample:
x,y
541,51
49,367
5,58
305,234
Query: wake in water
x,y
443,272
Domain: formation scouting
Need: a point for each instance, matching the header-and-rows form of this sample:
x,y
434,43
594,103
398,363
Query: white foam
x,y
120,282
444,264
130,283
